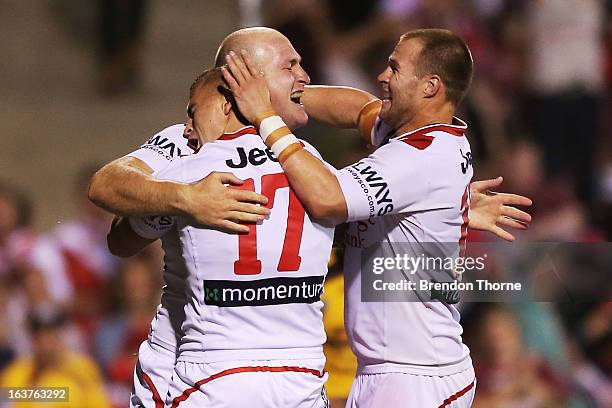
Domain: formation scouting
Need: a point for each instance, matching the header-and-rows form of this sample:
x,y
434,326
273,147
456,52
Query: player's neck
x,y
234,123
425,117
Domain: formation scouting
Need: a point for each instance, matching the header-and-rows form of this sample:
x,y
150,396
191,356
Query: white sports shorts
x,y
152,376
399,390
249,383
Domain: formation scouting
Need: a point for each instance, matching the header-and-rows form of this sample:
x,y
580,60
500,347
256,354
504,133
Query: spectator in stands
x,y
508,375
86,262
51,364
567,90
132,300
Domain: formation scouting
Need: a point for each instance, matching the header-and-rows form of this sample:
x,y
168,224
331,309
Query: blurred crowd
x,y
539,114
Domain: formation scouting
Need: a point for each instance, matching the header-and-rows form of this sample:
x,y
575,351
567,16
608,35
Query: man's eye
x,y
289,68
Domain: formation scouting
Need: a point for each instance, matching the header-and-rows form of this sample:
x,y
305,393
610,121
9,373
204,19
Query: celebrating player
x,y
198,107
254,309
414,188
207,117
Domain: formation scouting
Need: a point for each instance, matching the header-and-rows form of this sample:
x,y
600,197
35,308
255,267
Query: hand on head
x,y
248,87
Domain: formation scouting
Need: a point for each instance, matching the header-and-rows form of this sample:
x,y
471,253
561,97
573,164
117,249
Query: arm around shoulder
x,y
127,187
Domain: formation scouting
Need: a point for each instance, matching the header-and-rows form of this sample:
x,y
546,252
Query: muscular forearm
x,y
316,187
335,105
126,187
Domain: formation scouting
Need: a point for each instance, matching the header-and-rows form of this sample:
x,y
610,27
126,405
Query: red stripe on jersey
x,y
249,130
455,396
156,397
238,370
419,141
457,128
465,216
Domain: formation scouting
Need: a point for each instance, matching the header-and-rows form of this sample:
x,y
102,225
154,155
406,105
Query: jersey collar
x,y
456,128
247,130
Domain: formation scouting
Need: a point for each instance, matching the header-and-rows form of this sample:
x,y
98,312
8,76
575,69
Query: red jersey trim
x,y
455,396
418,141
249,130
237,370
156,397
457,128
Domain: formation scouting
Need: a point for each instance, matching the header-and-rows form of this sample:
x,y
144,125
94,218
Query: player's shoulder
x,y
436,138
190,168
172,132
170,141
212,156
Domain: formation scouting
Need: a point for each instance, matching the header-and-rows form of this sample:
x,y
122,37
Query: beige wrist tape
x,y
277,136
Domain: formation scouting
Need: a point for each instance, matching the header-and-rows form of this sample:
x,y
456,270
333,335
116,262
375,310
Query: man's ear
x,y
228,99
227,108
432,86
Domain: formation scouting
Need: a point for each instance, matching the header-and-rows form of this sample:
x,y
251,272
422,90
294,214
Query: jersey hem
x,y
211,356
438,370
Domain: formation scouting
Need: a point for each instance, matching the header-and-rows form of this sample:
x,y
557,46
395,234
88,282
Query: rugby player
x,y
414,188
487,223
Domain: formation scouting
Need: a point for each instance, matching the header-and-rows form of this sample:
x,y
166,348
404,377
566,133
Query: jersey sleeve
x,y
152,227
163,148
396,178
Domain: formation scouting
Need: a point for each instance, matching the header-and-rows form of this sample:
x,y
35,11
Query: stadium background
x,y
84,82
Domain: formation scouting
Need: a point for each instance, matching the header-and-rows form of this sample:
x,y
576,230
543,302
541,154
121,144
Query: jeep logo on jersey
x,y
273,291
161,145
375,184
255,157
467,161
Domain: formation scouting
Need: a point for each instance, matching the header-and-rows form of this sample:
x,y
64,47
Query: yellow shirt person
x,y
341,362
75,372
51,365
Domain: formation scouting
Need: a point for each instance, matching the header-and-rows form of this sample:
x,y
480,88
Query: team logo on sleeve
x,y
375,187
161,145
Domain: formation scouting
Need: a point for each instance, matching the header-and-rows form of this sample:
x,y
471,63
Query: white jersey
x,y
414,188
158,153
253,296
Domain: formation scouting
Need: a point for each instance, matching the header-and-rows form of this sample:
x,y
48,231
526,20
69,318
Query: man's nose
x,y
384,76
188,128
303,76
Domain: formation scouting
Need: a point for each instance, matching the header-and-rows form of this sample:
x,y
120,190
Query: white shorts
x,y
249,383
152,376
399,390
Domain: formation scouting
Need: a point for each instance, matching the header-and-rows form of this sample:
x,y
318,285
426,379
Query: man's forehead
x,y
283,50
406,51
410,47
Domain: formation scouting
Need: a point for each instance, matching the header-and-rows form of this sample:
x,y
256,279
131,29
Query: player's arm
x,y
342,107
129,235
314,183
127,187
122,241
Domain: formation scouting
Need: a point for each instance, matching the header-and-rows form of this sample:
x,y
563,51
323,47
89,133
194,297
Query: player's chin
x,y
300,118
385,108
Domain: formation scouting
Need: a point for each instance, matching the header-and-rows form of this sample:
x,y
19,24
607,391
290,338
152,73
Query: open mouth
x,y
296,97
